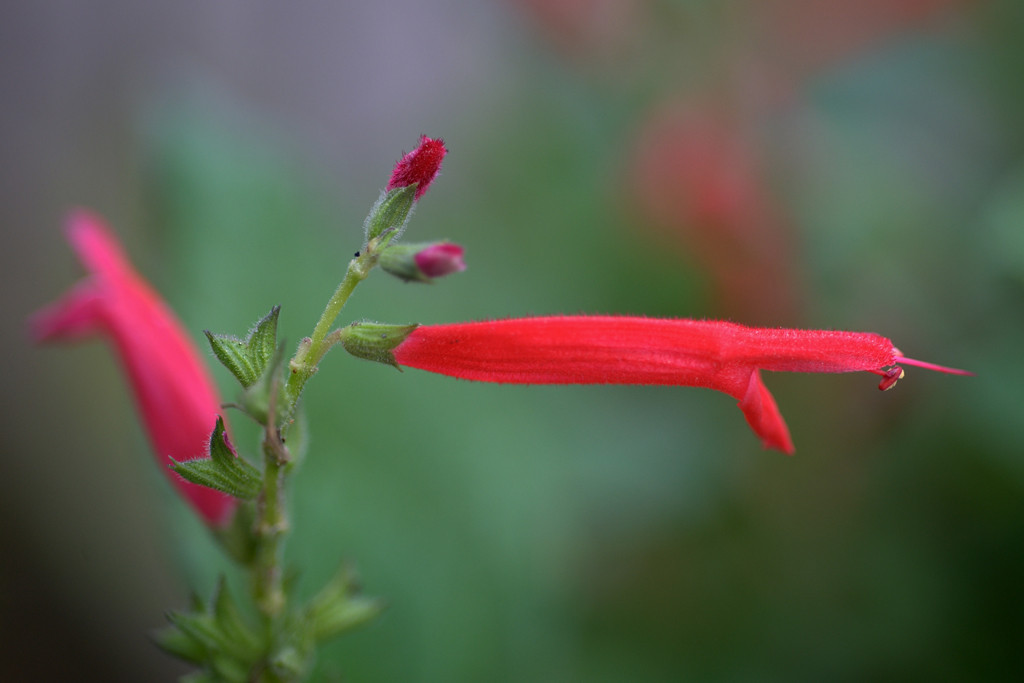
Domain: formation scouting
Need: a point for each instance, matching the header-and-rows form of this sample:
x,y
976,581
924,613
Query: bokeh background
x,y
779,162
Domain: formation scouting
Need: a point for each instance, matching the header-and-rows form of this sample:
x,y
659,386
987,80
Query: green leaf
x,y
247,360
339,607
200,628
232,354
218,639
223,470
230,621
388,217
230,670
262,339
176,642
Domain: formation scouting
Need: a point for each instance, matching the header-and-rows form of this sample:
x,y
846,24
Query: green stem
x,y
271,527
271,523
309,354
270,532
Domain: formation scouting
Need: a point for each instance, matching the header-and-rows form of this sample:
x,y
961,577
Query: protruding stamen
x,y
890,377
932,366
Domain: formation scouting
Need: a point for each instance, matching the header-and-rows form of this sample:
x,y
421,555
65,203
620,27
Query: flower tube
x,y
173,390
713,354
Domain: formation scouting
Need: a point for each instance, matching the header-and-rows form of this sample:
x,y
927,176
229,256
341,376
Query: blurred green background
x,y
788,162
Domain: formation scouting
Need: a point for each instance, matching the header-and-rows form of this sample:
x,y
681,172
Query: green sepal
x,y
340,607
400,260
217,638
374,341
389,215
223,470
247,360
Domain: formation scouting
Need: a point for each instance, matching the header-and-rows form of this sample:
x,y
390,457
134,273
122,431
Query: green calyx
x,y
389,215
400,260
339,607
374,341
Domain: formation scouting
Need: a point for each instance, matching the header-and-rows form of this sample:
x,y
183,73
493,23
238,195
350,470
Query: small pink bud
x,y
422,262
419,166
440,259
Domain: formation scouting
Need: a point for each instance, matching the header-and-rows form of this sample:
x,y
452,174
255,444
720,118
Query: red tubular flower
x,y
419,166
628,350
173,390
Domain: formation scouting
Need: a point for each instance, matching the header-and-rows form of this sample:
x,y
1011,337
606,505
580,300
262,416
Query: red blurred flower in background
x,y
805,37
173,389
695,165
696,177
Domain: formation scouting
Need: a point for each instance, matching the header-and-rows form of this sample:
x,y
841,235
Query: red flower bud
x,y
441,259
173,389
422,262
419,166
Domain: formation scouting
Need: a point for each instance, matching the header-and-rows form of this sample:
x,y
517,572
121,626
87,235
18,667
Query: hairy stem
x,y
303,365
271,522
